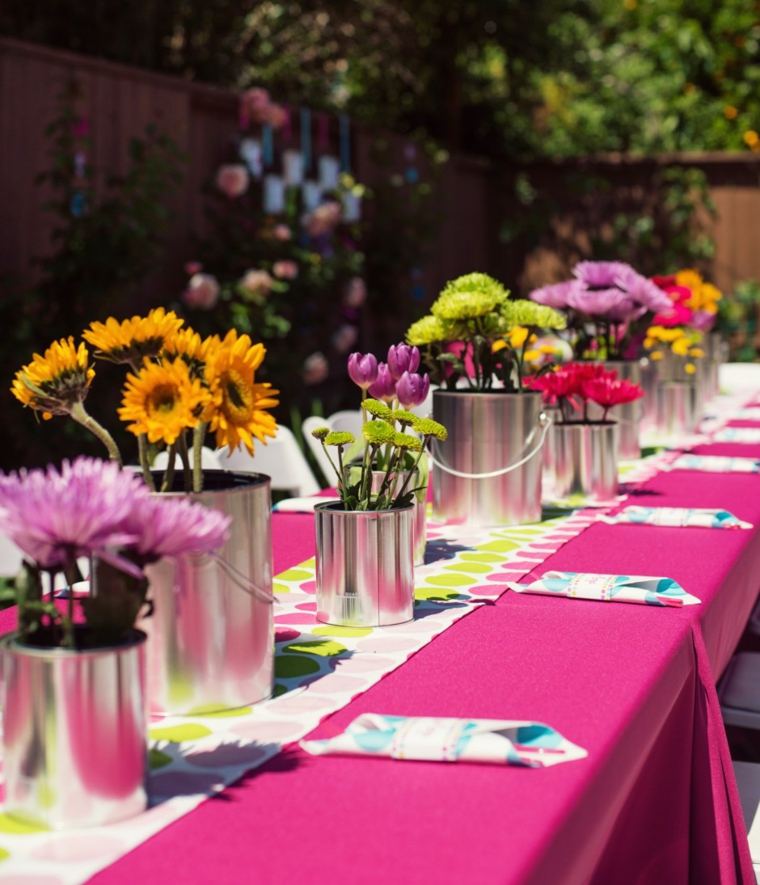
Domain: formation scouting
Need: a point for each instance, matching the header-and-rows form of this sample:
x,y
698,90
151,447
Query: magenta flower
x,y
600,274
167,526
384,387
362,369
55,516
556,294
412,390
402,358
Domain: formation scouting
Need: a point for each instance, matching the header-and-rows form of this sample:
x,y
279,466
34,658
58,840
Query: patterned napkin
x,y
738,435
642,589
716,464
677,516
433,739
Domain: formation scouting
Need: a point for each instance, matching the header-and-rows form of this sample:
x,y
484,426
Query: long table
x,y
654,802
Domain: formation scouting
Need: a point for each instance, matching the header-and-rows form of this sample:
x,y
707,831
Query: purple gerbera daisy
x,y
600,274
555,294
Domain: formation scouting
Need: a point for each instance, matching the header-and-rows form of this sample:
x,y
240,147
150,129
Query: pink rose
x,y
345,338
255,105
276,116
232,180
257,282
282,233
315,369
193,267
202,292
324,218
356,293
285,270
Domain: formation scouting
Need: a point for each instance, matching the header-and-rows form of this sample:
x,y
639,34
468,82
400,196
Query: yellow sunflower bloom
x,y
130,341
237,412
54,382
162,400
192,349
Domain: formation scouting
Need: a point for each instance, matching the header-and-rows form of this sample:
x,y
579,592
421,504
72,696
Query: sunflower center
x,y
237,397
163,399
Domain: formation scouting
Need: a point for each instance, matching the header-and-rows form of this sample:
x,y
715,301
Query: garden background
x,y
495,135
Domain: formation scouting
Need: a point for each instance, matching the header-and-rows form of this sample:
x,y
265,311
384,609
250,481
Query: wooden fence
x,y
474,198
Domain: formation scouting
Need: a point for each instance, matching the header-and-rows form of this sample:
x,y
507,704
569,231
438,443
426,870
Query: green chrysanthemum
x,y
407,441
377,409
469,297
428,427
538,316
340,438
428,330
321,433
402,416
377,433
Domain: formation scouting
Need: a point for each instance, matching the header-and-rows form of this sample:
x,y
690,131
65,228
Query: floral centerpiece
x,y
677,346
694,302
476,335
179,389
608,303
365,541
74,669
476,344
581,457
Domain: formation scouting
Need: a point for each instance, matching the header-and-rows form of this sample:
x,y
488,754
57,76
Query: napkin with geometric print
x,y
695,517
641,589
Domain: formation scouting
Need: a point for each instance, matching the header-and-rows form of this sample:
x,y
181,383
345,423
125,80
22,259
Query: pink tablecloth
x,y
654,802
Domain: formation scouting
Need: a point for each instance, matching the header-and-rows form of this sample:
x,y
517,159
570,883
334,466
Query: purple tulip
x,y
412,390
362,369
402,358
384,387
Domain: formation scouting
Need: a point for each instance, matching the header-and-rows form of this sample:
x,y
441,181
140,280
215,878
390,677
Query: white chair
x,y
314,422
210,460
347,420
281,459
10,558
739,691
748,781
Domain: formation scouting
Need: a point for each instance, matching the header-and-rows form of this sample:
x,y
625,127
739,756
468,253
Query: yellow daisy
x,y
162,400
130,341
237,412
54,382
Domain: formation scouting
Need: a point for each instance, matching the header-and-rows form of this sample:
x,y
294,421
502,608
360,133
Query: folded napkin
x,y
738,435
677,516
301,505
642,589
716,464
433,739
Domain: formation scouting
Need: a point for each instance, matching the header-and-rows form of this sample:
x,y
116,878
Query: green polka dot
x,y
500,546
20,826
280,588
309,563
423,593
472,568
295,574
334,630
157,759
4,854
287,666
323,647
176,734
450,580
213,710
481,557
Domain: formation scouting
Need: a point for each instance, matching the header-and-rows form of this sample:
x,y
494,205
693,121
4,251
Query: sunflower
x,y
130,341
193,350
162,400
56,381
237,412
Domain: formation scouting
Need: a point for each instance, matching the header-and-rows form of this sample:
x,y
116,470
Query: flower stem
x,y
142,450
166,485
79,415
186,471
199,434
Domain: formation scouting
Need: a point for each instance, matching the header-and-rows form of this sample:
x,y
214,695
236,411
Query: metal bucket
x,y
365,565
211,636
584,461
420,512
649,378
677,407
628,416
74,733
488,472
